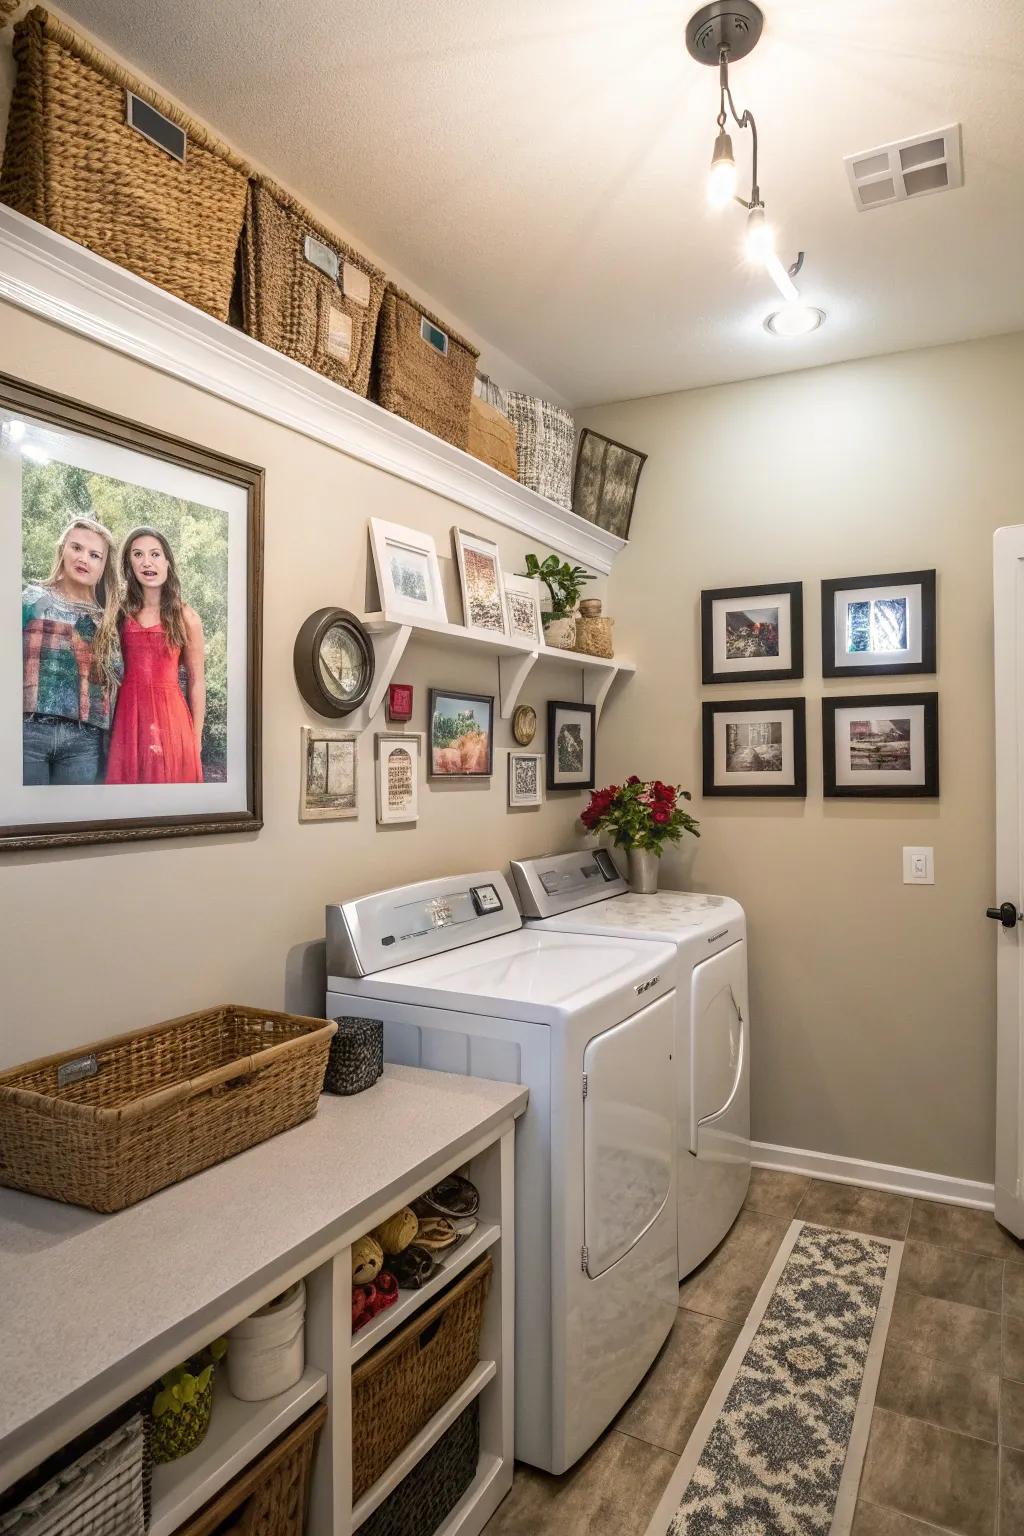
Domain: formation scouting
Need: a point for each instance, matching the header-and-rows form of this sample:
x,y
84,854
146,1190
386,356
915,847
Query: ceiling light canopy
x,y
794,320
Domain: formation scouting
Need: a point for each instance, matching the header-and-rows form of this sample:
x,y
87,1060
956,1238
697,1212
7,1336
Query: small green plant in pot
x,y
564,583
183,1402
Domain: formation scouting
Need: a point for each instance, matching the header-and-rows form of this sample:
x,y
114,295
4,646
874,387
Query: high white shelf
x,y
516,660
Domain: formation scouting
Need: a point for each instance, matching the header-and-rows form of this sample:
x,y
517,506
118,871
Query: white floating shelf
x,y
428,1437
238,1433
410,1301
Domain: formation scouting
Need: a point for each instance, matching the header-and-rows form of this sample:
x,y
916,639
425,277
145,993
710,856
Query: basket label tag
x,y
433,336
322,257
355,284
155,127
339,334
75,1071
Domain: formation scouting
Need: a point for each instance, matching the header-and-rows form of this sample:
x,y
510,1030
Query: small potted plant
x,y
183,1402
642,816
564,583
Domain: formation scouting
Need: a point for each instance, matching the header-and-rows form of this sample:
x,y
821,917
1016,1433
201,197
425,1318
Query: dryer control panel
x,y
414,921
560,882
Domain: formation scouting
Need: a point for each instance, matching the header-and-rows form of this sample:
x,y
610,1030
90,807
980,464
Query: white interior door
x,y
1007,897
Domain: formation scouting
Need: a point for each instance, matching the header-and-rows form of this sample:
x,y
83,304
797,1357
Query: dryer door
x,y
719,1042
628,1132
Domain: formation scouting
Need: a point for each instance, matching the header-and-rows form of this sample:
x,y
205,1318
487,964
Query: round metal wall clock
x,y
524,724
334,662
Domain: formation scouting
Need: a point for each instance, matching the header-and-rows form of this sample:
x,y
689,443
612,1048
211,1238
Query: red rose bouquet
x,y
639,814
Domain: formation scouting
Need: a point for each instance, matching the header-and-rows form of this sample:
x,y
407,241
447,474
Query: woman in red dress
x,y
157,737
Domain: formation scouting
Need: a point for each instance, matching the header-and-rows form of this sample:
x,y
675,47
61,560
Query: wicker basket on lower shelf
x,y
403,1383
271,1497
427,1495
108,1124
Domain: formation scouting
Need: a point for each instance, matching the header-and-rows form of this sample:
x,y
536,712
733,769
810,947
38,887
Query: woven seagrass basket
x,y
271,1497
326,319
404,1382
492,437
73,162
422,370
428,1494
545,438
110,1123
594,636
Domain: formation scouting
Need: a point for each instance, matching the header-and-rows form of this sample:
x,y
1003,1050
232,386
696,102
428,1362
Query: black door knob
x,y
1005,913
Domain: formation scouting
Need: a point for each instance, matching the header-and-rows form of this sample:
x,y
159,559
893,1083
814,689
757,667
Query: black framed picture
x,y
752,634
877,626
755,747
461,734
572,731
131,707
880,745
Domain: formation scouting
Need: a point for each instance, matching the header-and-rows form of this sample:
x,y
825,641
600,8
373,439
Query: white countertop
x,y
87,1300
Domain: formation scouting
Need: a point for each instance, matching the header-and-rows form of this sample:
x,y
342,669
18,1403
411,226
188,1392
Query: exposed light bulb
x,y
760,237
794,320
722,179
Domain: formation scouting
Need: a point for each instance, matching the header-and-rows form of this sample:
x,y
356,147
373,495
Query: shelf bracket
x,y
512,674
598,685
388,649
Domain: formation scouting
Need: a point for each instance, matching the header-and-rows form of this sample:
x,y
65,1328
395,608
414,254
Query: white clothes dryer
x,y
588,1025
584,893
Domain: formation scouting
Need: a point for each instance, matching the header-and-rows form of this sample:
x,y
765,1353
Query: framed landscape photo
x,y
138,561
461,734
483,594
755,747
752,634
524,779
605,482
572,729
408,573
522,598
397,776
330,775
873,626
880,745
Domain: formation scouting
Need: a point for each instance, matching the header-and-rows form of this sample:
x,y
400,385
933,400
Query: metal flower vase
x,y
643,870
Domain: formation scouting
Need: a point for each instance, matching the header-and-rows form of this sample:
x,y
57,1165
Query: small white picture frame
x,y
408,573
525,779
483,588
523,602
328,775
397,777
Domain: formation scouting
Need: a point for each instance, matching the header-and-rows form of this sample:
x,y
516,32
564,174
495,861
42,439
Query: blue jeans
x,y
58,751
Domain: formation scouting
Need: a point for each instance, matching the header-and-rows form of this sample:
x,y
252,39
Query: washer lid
x,y
668,915
530,975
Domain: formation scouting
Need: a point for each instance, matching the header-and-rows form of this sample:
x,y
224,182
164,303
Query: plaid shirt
x,y
57,640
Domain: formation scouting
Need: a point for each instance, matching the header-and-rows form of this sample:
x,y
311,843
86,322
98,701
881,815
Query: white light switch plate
x,y
918,866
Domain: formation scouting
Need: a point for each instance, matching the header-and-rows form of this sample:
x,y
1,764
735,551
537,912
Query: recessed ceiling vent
x,y
931,162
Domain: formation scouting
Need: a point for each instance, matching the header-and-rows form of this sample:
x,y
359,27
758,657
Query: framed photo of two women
x,y
138,560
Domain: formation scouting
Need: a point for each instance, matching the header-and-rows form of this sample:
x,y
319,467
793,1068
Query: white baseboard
x,y
853,1170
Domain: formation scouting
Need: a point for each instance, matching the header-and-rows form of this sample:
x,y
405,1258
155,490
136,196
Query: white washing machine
x,y
584,893
588,1025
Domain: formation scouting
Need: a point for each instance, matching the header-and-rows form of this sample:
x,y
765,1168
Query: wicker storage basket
x,y
111,1123
429,1493
545,438
356,1058
492,437
74,163
422,370
102,1493
404,1382
594,636
326,319
271,1497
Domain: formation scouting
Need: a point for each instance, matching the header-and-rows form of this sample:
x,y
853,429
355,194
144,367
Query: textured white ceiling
x,y
540,166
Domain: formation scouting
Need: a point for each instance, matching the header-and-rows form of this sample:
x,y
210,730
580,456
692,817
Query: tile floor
x,y
946,1450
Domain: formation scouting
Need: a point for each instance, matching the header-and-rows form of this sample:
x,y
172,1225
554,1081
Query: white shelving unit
x,y
467,1253
516,660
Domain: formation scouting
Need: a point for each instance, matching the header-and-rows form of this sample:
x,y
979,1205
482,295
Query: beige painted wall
x,y
99,940
872,1002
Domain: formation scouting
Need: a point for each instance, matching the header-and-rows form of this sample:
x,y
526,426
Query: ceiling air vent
x,y
931,162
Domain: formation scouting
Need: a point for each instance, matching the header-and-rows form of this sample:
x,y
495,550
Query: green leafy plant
x,y
640,814
180,1387
563,581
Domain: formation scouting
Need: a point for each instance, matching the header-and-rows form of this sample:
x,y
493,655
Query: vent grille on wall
x,y
931,162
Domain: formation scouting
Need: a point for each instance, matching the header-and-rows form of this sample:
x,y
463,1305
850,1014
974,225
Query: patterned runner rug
x,y
779,1447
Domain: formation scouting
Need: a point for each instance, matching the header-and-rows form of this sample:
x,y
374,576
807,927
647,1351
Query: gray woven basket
x,y
424,1498
356,1058
545,439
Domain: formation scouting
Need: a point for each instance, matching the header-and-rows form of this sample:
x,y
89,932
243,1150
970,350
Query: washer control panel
x,y
559,882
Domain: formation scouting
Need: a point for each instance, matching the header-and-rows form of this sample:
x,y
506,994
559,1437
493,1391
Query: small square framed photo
x,y
330,775
524,779
752,634
483,593
755,747
877,626
572,729
880,745
461,735
398,775
522,598
408,575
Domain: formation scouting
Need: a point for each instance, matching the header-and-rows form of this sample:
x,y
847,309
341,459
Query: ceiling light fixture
x,y
794,320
